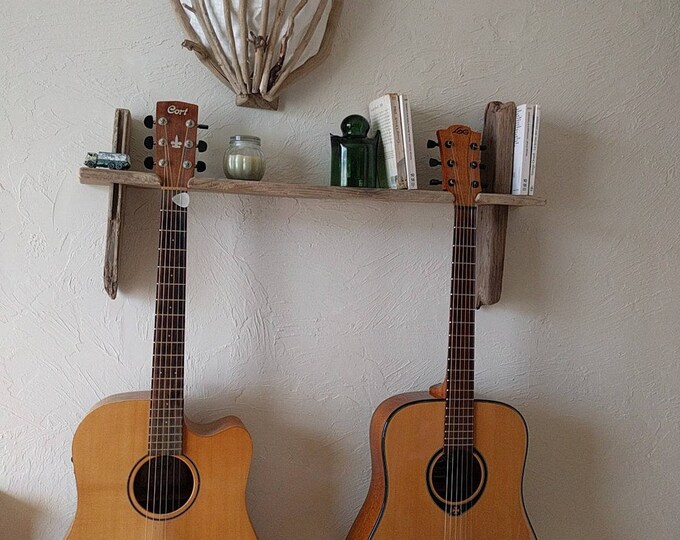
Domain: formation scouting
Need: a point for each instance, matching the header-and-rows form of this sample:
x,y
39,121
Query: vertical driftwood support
x,y
121,143
498,141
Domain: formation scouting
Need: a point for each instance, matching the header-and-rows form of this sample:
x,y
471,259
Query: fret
x,y
172,239
176,290
463,271
173,222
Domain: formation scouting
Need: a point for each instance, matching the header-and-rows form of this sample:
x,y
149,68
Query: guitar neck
x,y
167,385
459,417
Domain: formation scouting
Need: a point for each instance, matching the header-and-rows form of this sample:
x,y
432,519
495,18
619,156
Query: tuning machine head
x,y
149,163
432,144
200,166
149,122
202,146
435,162
149,142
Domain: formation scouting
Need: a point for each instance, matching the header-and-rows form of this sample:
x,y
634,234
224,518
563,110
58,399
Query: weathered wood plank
x,y
103,177
121,143
497,156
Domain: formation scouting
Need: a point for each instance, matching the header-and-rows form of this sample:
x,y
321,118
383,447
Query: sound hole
x,y
162,485
456,479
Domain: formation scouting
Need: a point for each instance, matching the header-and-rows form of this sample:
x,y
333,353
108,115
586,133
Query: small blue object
x,y
109,160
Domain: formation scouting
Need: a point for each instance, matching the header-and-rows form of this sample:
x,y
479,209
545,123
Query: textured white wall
x,y
304,315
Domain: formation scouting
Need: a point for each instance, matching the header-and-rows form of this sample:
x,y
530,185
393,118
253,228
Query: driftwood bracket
x,y
121,143
497,156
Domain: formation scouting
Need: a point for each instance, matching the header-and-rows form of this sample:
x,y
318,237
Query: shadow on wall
x,y
566,456
17,518
294,467
138,241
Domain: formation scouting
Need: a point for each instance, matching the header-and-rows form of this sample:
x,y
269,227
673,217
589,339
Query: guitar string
x,y
164,322
162,412
463,354
460,328
469,411
168,349
181,215
447,406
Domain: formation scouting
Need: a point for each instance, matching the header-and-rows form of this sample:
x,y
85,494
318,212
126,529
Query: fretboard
x,y
167,385
459,424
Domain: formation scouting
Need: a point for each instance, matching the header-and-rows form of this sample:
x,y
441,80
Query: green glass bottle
x,y
355,157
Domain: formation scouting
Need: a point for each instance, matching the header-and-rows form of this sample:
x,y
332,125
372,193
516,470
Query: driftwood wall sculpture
x,y
259,47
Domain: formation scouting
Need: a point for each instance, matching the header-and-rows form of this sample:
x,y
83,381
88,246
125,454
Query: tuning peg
x,y
482,147
202,126
473,164
202,146
200,166
148,121
482,166
435,182
474,146
148,142
148,162
432,144
435,162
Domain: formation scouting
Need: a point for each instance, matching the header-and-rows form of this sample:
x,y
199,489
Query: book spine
x,y
409,150
534,149
398,142
380,115
522,151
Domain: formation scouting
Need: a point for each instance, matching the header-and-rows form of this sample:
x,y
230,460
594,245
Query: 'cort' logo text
x,y
174,110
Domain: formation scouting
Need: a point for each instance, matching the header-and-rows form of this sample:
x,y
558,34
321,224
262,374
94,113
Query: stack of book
x,y
391,115
526,146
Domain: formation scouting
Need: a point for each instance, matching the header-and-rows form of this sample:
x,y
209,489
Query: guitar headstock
x,y
459,151
174,143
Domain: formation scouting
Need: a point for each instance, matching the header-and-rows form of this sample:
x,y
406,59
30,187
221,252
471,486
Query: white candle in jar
x,y
245,167
244,159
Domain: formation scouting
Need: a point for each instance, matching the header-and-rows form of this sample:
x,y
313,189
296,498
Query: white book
x,y
409,150
384,116
534,149
522,151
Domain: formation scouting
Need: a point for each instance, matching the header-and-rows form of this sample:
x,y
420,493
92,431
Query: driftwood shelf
x,y
492,215
105,177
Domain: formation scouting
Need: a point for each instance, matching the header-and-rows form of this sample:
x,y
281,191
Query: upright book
x,y
522,153
385,117
534,149
142,470
409,147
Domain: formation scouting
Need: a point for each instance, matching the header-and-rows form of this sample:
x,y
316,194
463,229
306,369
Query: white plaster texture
x,y
304,315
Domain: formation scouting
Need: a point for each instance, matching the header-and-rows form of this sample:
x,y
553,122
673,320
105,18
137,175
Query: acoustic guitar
x,y
444,465
142,470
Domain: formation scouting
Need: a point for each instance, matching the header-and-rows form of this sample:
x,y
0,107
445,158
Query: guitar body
x,y
109,449
402,502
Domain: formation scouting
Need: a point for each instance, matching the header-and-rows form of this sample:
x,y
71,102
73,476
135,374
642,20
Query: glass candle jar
x,y
244,159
